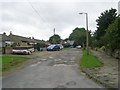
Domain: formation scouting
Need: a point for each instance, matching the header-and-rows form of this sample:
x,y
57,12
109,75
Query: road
x,y
58,70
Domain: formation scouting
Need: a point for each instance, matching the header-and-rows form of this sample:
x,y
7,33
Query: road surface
x,y
58,70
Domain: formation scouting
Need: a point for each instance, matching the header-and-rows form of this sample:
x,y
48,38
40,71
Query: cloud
x,y
40,18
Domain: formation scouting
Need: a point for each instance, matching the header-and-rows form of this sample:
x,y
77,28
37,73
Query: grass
x,y
89,61
0,50
11,62
66,48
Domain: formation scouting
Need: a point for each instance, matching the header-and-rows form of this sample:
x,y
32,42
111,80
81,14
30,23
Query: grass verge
x,y
89,61
11,62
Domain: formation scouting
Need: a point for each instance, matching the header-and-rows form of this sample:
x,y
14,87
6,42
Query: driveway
x,y
56,70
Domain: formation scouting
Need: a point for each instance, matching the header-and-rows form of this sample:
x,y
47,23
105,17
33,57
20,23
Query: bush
x,y
38,46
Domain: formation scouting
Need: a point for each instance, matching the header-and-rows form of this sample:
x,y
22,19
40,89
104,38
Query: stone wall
x,y
7,50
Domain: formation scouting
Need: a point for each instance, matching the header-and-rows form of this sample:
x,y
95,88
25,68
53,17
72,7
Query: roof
x,y
17,38
4,37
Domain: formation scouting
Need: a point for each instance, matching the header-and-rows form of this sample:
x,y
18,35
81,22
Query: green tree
x,y
112,35
78,36
39,45
55,39
104,20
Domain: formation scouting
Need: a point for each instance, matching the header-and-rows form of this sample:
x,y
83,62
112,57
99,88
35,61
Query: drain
x,y
71,83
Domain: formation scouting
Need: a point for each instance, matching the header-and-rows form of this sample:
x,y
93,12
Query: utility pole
x,y
54,31
87,41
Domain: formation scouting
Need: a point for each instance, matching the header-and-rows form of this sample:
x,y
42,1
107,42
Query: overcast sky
x,y
38,18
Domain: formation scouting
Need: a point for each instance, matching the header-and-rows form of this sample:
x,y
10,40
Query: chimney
x,y
29,37
10,32
33,38
4,33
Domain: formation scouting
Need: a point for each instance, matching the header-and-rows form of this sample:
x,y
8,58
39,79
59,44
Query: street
x,y
58,70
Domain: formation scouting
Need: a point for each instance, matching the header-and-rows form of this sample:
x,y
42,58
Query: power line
x,y
38,13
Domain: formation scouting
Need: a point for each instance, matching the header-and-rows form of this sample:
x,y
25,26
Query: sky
x,y
38,18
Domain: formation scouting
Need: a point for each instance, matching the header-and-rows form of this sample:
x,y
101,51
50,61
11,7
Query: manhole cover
x,y
71,83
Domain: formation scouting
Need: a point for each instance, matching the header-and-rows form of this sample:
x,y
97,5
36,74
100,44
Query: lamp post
x,y
86,32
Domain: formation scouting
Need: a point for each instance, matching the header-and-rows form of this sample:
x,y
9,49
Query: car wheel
x,y
29,53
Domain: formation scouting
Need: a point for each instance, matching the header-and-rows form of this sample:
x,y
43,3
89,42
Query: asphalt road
x,y
58,70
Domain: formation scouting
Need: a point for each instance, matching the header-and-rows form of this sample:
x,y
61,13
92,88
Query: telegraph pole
x,y
54,31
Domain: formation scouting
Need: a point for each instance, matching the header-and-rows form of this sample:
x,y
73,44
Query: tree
x,y
55,39
112,35
39,45
78,36
104,20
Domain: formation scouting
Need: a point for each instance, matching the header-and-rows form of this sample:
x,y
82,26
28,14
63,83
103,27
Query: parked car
x,y
78,47
61,46
23,50
53,48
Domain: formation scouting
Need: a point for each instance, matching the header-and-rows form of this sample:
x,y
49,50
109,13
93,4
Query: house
x,y
16,40
5,43
5,40
20,40
24,41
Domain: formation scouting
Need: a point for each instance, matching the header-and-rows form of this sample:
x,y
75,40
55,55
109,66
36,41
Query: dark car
x,y
53,48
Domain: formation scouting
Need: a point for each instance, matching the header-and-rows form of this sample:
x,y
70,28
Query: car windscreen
x,y
51,46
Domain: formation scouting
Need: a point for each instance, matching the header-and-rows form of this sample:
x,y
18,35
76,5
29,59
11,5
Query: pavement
x,y
106,75
57,69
